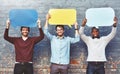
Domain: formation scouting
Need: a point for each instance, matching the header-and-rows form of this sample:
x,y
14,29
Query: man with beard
x,y
23,48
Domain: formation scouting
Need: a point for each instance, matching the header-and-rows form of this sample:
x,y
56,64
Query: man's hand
x,y
39,23
84,22
48,16
76,28
115,21
8,23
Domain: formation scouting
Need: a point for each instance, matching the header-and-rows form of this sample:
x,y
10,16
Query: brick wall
x,y
42,49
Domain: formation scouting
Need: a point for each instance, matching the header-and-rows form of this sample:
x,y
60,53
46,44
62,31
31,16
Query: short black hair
x,y
95,28
25,27
62,26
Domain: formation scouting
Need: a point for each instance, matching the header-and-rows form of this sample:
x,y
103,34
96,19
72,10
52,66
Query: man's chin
x,y
95,36
60,35
25,35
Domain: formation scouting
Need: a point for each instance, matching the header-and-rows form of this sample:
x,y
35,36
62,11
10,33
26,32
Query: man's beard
x,y
25,35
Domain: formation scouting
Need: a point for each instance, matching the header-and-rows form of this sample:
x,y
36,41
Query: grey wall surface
x,y
42,49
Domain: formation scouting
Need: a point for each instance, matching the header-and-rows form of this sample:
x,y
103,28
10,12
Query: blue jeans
x,y
26,68
95,68
58,69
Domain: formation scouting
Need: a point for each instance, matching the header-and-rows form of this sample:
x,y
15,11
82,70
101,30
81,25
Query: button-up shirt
x,y
60,47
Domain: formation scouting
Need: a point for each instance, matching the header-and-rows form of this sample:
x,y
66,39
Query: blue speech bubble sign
x,y
23,17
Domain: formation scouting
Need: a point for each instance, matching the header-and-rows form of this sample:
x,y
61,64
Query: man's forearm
x,y
39,26
41,33
76,32
6,33
6,37
46,24
81,30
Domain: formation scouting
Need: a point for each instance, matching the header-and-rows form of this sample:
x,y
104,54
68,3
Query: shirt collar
x,y
60,37
24,38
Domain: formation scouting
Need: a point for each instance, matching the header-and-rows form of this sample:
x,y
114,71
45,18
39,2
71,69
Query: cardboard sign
x,y
62,16
23,17
100,16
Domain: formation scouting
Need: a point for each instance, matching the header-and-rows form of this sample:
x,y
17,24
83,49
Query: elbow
x,y
5,37
42,37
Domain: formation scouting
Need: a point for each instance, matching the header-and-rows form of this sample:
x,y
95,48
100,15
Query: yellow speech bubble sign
x,y
62,17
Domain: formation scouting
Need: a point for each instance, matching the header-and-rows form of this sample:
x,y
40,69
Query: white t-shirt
x,y
96,47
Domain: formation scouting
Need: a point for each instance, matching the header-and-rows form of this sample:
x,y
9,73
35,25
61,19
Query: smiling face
x,y
95,32
60,30
25,31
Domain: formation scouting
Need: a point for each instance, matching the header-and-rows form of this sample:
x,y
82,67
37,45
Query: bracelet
x,y
76,29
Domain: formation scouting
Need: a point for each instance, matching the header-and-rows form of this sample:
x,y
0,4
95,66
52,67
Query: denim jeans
x,y
95,68
58,69
26,68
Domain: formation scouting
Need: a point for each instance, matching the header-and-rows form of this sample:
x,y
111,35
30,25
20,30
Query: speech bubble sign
x,y
23,17
62,16
100,16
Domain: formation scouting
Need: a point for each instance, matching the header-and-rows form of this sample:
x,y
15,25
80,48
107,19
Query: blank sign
x,y
23,17
62,16
100,16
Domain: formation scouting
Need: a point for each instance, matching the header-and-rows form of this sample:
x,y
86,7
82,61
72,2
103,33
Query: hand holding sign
x,y
7,23
23,17
62,16
100,16
115,21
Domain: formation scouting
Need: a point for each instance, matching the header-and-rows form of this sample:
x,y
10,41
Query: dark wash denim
x,y
26,68
95,68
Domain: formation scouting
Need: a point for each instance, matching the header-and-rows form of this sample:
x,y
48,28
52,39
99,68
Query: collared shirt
x,y
96,46
60,47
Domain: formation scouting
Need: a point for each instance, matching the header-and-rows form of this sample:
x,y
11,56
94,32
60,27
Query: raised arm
x,y
113,32
47,19
6,37
77,38
81,31
49,36
41,34
76,29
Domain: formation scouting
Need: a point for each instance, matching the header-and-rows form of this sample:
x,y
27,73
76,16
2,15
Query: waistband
x,y
96,63
23,63
60,64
